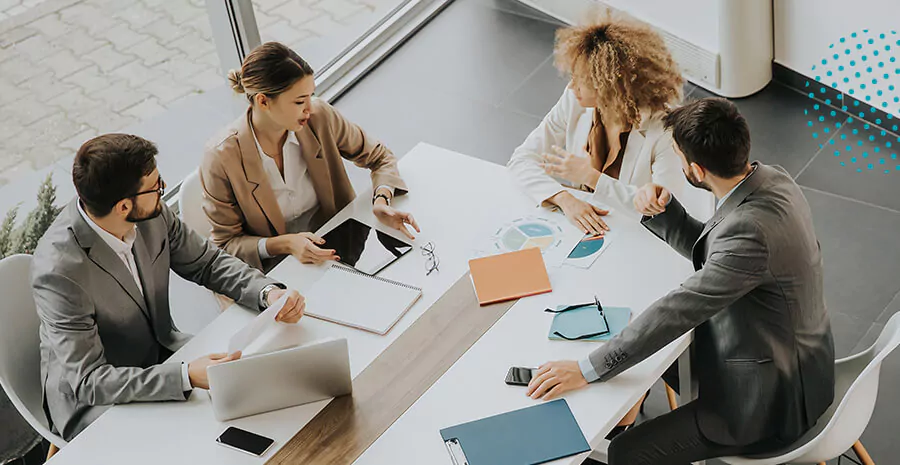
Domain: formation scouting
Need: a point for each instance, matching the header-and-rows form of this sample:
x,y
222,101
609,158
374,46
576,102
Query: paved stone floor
x,y
72,69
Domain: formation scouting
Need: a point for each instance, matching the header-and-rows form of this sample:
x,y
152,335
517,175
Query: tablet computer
x,y
363,247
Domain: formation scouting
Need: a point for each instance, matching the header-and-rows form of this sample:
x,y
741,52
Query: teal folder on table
x,y
532,435
587,320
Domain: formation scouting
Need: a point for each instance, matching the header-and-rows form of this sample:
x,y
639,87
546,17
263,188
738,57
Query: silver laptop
x,y
280,379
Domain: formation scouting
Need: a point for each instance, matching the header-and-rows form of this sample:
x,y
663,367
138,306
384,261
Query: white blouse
x,y
294,192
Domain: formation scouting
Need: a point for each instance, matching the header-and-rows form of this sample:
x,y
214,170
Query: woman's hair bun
x,y
234,78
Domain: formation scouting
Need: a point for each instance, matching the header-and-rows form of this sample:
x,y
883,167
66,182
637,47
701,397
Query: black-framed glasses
x,y
160,189
596,303
431,260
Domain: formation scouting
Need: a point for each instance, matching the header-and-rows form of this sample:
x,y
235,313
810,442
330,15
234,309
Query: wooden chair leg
x,y
862,454
52,451
670,393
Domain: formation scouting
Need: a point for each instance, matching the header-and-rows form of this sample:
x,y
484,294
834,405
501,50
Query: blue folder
x,y
587,320
532,435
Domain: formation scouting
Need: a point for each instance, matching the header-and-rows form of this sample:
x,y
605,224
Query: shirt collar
x,y
725,197
117,245
291,138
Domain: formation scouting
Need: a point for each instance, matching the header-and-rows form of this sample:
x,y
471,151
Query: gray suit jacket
x,y
102,343
763,350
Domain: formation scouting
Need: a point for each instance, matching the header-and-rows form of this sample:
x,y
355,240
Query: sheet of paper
x,y
255,328
587,250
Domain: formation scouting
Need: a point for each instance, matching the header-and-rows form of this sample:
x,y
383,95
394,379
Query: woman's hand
x,y
305,247
572,168
586,216
395,218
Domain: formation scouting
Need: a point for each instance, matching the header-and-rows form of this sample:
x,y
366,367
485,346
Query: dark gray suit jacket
x,y
101,341
763,350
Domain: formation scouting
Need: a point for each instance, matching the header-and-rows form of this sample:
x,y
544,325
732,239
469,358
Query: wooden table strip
x,y
348,425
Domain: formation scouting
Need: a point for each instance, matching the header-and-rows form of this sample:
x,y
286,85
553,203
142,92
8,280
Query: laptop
x,y
276,380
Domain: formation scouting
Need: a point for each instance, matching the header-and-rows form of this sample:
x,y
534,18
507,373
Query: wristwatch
x,y
383,196
264,295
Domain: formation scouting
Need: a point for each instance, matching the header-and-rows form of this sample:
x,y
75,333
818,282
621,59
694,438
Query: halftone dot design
x,y
870,82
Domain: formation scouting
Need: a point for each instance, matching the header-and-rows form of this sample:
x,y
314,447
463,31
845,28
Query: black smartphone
x,y
245,441
519,376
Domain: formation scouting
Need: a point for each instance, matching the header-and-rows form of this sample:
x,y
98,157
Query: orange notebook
x,y
509,276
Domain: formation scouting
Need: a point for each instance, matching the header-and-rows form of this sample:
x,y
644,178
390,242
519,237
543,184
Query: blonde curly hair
x,y
625,61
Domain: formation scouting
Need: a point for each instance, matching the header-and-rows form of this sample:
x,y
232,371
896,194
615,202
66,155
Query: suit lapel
x,y
253,169
633,151
317,166
143,261
103,256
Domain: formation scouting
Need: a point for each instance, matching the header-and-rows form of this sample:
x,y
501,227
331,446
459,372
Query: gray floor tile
x,y
782,122
848,331
890,310
860,254
497,52
869,338
537,95
863,164
403,118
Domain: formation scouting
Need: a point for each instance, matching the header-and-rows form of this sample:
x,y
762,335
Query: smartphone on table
x,y
245,441
519,376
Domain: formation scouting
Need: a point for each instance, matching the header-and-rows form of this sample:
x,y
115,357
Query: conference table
x,y
444,362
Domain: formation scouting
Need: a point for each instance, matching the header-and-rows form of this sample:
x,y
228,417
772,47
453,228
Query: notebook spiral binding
x,y
377,278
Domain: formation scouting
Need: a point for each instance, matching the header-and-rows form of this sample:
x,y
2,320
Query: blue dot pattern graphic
x,y
862,68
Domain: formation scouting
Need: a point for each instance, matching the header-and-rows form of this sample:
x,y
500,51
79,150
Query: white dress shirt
x,y
125,251
294,191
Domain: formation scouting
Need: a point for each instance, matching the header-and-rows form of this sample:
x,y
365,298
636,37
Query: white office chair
x,y
839,429
190,203
193,307
20,354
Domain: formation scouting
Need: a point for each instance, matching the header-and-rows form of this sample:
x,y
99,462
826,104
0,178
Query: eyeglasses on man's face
x,y
159,189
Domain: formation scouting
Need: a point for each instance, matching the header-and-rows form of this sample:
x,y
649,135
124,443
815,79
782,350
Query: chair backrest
x,y
20,354
854,410
191,204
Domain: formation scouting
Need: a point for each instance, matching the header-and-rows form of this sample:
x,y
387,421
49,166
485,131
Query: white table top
x,y
455,200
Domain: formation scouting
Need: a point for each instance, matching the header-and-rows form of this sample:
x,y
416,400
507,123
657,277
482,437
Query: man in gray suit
x,y
763,350
101,285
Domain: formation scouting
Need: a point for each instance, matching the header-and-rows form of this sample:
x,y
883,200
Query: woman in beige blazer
x,y
605,136
277,172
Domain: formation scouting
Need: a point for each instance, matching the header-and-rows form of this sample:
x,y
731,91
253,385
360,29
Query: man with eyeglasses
x,y
100,278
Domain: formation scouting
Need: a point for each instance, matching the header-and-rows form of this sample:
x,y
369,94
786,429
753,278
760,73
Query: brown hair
x,y
625,60
269,69
109,168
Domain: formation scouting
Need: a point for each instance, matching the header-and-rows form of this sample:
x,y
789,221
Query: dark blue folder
x,y
532,435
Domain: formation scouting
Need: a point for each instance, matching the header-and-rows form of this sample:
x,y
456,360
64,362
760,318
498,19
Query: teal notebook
x,y
532,435
587,320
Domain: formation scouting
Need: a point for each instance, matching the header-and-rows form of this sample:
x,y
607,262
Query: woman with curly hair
x,y
605,135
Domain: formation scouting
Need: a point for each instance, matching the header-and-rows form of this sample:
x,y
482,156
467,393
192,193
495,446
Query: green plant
x,y
24,239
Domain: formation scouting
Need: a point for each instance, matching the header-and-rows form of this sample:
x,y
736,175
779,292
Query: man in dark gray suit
x,y
101,285
763,350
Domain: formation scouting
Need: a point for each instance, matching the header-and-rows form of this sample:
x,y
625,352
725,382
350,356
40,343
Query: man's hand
x,y
572,168
554,379
652,199
293,307
305,247
395,218
197,368
586,216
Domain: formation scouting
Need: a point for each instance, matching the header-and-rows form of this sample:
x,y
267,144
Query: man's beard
x,y
694,182
136,216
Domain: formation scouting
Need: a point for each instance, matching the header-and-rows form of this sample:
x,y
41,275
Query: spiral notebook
x,y
351,298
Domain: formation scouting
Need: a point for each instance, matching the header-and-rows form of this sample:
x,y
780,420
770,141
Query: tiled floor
x,y
481,92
